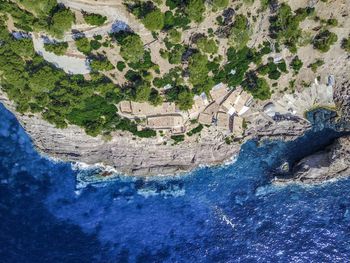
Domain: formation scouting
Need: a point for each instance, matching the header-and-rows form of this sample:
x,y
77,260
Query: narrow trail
x,y
116,11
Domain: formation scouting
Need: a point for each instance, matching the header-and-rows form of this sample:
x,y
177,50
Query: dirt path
x,y
116,11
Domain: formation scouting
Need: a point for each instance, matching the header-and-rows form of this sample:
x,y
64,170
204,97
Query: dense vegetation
x,y
324,40
44,15
284,26
36,86
58,48
94,19
199,61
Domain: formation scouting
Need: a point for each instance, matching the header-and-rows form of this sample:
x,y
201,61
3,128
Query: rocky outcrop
x,y
135,156
130,155
333,162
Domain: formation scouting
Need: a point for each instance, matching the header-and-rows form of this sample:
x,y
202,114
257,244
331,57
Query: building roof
x,y
212,109
205,118
199,104
219,92
242,102
125,106
223,120
165,121
238,125
231,99
146,109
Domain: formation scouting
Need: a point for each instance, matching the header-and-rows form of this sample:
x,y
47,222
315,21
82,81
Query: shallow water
x,y
227,214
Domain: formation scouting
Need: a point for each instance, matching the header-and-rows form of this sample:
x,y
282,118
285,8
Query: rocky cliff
x,y
334,161
135,156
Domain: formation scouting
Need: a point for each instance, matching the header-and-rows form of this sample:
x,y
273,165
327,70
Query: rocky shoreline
x,y
147,157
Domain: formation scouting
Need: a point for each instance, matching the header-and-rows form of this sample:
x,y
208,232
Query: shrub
x,y
314,66
195,10
83,45
178,138
296,64
198,129
154,20
101,64
58,48
121,65
346,44
94,19
324,40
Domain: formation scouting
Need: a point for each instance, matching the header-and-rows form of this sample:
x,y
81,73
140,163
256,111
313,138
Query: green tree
x,y
240,33
324,40
23,47
207,45
101,63
94,19
132,48
296,64
346,44
154,20
220,4
61,21
58,48
198,68
83,45
41,8
185,100
195,10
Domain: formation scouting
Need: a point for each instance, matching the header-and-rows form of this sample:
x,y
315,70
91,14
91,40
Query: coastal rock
x,y
134,156
333,162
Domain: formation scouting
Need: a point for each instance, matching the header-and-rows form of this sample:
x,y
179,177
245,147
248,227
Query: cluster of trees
x,y
86,46
40,15
58,48
94,19
100,63
258,87
324,40
181,95
37,86
273,70
284,26
240,32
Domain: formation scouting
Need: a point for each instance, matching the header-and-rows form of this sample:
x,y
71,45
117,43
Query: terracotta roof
x,y
219,92
165,121
205,118
223,121
212,109
238,125
229,102
146,109
125,106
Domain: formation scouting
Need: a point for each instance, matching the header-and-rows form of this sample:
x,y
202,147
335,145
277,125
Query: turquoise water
x,y
225,214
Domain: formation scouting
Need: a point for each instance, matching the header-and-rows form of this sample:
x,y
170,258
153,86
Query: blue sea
x,y
222,214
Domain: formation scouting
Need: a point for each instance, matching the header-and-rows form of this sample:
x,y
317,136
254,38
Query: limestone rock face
x,y
136,156
331,163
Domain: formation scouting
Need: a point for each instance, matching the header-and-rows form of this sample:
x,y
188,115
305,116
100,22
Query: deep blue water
x,y
226,214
